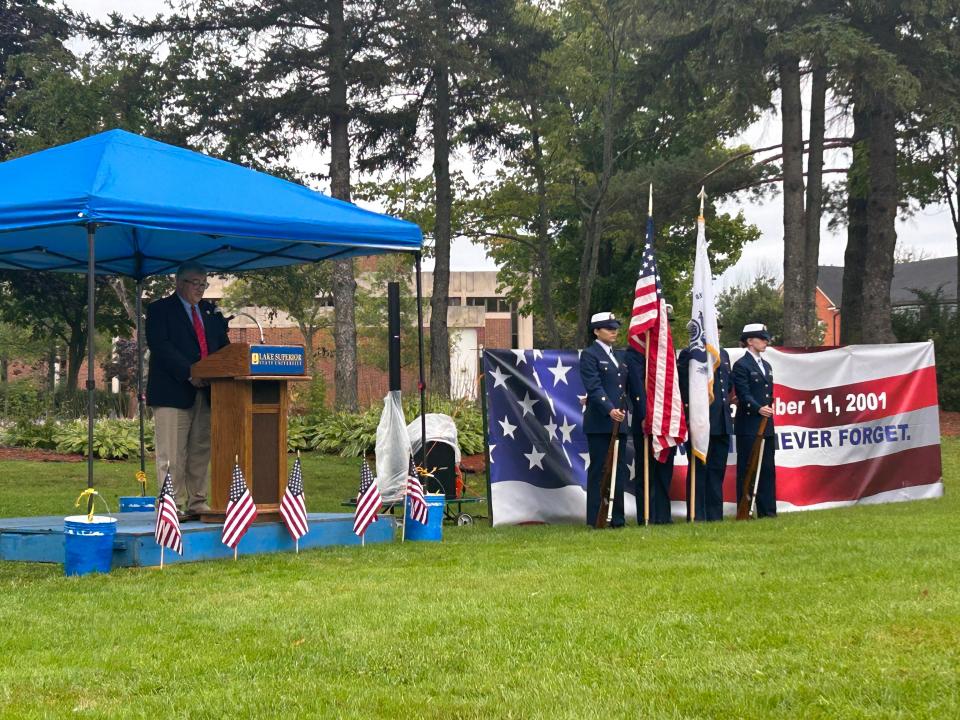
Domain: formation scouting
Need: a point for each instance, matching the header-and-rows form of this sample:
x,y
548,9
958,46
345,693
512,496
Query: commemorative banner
x,y
855,424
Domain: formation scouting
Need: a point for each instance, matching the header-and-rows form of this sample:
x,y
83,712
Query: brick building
x,y
478,317
932,275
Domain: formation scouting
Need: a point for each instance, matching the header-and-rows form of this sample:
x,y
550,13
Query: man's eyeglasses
x,y
198,284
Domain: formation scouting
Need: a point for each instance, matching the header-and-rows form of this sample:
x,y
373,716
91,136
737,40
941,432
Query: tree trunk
x,y
439,336
76,352
309,332
345,336
881,219
344,283
795,331
951,190
595,222
129,306
544,270
855,256
956,233
818,104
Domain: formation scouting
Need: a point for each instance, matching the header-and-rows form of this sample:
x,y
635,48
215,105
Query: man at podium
x,y
181,330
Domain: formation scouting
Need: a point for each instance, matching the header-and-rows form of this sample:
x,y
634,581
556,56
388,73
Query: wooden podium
x,y
248,420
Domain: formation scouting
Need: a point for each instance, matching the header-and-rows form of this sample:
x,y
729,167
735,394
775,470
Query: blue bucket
x,y
88,545
433,530
135,503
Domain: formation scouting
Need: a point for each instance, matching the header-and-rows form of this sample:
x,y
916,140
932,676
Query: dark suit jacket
x,y
636,369
721,415
754,390
174,348
605,385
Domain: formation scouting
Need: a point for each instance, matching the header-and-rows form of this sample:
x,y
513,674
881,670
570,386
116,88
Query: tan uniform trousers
x,y
183,441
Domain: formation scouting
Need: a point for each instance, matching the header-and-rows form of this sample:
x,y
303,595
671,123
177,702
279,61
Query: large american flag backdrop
x,y
857,424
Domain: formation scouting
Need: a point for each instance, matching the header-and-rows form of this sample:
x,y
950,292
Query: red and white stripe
x,y
294,512
418,504
646,310
240,515
167,532
665,421
368,505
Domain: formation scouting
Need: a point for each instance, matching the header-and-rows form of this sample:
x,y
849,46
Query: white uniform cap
x,y
754,330
603,320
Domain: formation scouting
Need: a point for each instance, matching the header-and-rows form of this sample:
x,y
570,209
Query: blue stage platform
x,y
40,539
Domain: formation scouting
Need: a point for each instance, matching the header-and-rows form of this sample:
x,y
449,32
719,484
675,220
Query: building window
x,y
491,304
453,302
514,330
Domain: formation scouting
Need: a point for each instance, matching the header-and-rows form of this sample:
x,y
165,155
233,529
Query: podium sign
x,y
277,360
248,421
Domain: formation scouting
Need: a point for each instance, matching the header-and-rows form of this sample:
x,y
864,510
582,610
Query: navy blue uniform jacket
x,y
636,369
174,348
605,384
721,416
754,390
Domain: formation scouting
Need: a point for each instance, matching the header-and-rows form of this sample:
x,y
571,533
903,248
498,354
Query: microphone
x,y
255,322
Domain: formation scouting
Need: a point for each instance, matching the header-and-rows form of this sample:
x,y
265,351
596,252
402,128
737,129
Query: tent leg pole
x,y
91,383
422,386
140,398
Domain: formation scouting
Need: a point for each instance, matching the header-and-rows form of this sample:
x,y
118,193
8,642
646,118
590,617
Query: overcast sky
x,y
929,231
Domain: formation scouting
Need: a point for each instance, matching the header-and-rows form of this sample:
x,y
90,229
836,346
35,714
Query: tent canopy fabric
x,y
155,206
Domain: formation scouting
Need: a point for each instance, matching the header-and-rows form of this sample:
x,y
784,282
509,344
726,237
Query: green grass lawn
x,y
849,613
46,488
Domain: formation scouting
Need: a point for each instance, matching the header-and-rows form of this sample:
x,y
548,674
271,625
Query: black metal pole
x,y
422,385
140,397
91,383
393,333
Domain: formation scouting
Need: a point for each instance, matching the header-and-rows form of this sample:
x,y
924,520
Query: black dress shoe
x,y
187,516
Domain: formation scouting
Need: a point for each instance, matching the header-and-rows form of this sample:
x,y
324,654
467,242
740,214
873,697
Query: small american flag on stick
x,y
241,511
167,533
368,500
293,509
418,505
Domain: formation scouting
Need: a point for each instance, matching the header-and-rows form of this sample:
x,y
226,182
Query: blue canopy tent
x,y
120,204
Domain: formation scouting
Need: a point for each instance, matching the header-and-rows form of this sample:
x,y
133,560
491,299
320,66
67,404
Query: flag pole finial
x,y
650,202
703,196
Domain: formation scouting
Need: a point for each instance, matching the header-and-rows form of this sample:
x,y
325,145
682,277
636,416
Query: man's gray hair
x,y
190,267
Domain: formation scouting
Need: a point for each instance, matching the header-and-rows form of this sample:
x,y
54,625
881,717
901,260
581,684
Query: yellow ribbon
x,y
141,478
423,472
89,492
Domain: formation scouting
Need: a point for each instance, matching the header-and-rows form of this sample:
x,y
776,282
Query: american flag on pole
x,y
665,422
241,511
418,505
368,500
167,533
293,509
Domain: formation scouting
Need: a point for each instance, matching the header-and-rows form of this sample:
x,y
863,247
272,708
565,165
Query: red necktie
x,y
198,329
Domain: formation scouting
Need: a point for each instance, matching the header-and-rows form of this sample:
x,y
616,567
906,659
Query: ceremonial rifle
x,y
608,484
753,468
